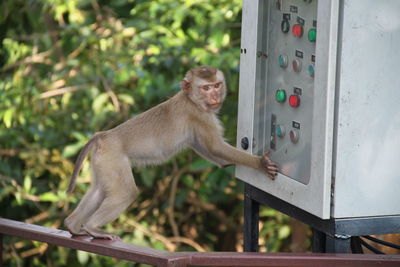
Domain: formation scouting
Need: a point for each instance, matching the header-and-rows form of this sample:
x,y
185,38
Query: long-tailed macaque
x,y
188,119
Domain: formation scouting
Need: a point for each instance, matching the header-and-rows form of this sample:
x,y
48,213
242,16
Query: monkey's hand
x,y
270,167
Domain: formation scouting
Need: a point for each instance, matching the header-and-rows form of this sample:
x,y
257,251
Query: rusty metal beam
x,y
117,249
1,249
134,253
292,259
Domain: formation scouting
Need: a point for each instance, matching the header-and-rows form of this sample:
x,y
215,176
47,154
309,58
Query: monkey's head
x,y
206,87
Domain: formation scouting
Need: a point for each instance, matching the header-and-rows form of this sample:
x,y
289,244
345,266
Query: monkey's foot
x,y
73,229
80,233
96,233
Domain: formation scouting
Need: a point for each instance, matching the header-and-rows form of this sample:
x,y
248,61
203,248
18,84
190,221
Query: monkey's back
x,y
155,135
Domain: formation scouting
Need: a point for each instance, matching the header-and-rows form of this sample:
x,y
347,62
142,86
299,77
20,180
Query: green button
x,y
312,35
311,70
280,130
280,95
283,61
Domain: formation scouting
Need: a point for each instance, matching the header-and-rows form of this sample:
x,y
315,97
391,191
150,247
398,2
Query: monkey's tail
x,y
81,157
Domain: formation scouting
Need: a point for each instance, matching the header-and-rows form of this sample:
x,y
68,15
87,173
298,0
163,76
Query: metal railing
x,y
160,258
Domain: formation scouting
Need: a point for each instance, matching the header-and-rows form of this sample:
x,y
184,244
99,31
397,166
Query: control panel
x,y
313,87
286,97
287,59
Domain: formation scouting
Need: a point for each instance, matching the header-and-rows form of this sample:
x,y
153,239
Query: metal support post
x,y
251,219
318,241
338,244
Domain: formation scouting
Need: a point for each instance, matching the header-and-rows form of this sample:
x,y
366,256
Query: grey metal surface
x,y
247,78
294,158
307,186
367,142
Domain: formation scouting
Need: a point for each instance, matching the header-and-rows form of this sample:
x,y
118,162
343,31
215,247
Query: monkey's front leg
x,y
265,164
233,155
269,166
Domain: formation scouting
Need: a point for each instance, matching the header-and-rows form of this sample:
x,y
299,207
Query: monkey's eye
x,y
217,85
206,87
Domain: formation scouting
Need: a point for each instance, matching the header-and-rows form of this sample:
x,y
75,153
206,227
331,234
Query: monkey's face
x,y
211,95
206,87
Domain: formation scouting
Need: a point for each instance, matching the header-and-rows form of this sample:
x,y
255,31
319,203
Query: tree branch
x,y
36,58
111,93
171,200
62,91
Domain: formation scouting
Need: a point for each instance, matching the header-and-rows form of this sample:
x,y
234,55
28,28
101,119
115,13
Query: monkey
x,y
186,120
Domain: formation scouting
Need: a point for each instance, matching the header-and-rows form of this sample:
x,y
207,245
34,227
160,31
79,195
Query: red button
x,y
297,30
294,101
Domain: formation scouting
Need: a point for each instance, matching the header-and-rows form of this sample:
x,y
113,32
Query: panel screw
x,y
262,54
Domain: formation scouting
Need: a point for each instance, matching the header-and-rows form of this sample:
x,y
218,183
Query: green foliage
x,y
70,68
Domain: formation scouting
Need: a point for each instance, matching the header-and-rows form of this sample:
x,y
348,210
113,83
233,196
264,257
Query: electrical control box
x,y
320,90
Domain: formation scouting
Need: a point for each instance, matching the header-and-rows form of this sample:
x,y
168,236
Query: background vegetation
x,y
71,68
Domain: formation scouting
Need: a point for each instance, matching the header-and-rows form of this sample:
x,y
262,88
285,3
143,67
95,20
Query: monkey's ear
x,y
185,86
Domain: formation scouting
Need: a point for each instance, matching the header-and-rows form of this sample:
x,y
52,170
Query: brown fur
x,y
188,119
204,72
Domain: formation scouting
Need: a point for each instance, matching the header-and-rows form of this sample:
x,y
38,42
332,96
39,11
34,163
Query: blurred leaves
x,y
71,68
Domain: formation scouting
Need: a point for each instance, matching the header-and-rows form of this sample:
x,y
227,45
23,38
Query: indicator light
x,y
312,35
294,136
285,26
283,61
280,130
297,30
280,95
296,65
311,70
294,101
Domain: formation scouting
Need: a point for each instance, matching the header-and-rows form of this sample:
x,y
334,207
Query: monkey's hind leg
x,y
89,203
120,191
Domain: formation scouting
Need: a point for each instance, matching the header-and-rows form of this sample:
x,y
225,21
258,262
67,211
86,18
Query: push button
x,y
311,70
283,61
294,136
296,65
312,35
280,131
280,95
294,101
297,30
